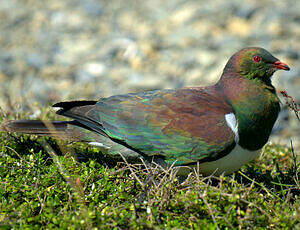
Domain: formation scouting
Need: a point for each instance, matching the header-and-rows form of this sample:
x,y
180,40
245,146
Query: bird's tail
x,y
70,131
59,129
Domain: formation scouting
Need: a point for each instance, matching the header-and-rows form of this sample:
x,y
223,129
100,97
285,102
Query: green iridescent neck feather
x,y
256,107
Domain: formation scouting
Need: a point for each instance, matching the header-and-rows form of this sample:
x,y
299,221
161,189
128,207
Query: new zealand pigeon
x,y
221,127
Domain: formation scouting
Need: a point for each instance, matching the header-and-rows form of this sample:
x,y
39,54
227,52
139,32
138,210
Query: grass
x,y
44,184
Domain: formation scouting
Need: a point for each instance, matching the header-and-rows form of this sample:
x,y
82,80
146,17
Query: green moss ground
x,y
44,185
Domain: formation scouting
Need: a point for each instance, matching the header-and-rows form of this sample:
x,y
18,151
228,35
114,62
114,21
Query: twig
x,y
262,186
295,161
289,100
131,170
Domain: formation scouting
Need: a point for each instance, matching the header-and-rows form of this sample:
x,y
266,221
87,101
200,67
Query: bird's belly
x,y
227,164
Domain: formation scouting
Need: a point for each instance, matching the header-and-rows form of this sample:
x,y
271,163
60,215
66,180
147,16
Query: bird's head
x,y
254,62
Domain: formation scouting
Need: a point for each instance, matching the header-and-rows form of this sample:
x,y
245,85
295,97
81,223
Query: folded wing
x,y
182,126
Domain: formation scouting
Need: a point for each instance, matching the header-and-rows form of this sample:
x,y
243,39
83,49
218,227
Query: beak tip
x,y
287,68
281,65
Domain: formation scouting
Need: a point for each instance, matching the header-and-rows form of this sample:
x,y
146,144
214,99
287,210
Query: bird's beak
x,y
281,65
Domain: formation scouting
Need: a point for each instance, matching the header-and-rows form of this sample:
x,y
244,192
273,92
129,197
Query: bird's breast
x,y
229,163
256,109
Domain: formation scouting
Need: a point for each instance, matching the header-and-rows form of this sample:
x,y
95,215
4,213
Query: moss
x,y
45,185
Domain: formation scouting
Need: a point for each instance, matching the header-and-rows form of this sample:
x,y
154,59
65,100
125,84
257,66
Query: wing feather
x,y
184,125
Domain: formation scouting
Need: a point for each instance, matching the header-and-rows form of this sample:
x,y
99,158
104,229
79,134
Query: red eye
x,y
257,58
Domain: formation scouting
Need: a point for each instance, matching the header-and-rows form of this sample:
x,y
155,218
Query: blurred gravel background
x,y
53,50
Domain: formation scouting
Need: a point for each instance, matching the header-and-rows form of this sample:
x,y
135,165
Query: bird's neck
x,y
256,107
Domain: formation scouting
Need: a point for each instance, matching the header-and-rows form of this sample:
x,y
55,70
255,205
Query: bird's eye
x,y
257,58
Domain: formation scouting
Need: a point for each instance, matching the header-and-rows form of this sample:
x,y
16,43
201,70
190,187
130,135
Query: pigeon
x,y
217,128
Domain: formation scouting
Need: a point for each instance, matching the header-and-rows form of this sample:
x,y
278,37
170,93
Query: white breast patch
x,y
229,163
233,124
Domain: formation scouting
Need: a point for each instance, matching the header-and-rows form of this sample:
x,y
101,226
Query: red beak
x,y
281,65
